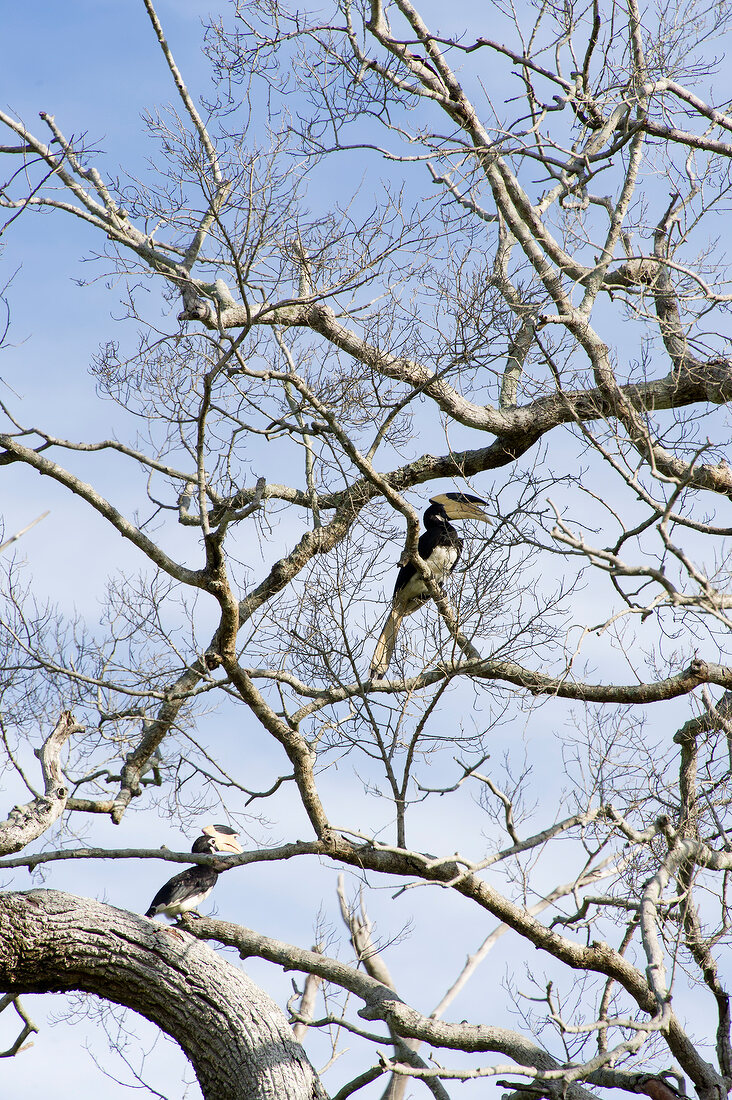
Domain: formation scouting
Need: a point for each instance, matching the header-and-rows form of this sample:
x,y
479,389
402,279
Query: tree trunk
x,y
236,1038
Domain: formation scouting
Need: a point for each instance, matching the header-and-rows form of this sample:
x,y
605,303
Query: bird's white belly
x,y
441,561
186,904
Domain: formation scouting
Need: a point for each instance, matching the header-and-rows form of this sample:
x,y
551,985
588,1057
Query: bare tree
x,y
522,269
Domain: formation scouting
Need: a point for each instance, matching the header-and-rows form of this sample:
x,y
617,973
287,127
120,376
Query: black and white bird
x,y
440,548
186,891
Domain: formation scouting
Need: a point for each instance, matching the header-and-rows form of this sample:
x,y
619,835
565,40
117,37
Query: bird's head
x,y
461,506
204,846
224,839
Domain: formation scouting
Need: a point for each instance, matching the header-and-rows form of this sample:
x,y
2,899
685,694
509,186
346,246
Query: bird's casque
x,y
440,548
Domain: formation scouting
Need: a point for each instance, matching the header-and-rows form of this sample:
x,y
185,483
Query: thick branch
x,y
237,1039
26,823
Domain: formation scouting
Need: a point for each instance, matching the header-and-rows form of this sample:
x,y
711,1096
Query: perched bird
x,y
439,547
186,891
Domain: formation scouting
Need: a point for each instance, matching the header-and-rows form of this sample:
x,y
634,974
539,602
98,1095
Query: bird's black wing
x,y
194,880
445,537
425,546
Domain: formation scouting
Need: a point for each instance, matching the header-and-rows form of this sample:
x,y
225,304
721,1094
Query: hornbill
x,y
440,548
186,891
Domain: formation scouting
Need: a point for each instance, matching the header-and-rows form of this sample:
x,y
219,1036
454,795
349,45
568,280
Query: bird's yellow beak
x,y
462,506
226,839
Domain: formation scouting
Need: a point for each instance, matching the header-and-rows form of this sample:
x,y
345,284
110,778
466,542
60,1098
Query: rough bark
x,y
29,821
235,1036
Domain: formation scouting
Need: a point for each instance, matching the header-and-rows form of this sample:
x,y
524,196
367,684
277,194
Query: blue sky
x,y
96,66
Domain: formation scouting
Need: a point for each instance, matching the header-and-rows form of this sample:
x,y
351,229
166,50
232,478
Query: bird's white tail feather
x,y
387,641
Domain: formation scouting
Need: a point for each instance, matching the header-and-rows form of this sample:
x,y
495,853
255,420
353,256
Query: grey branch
x,y
236,1038
27,822
19,534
